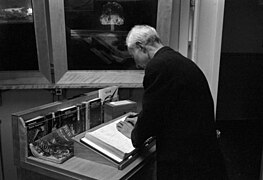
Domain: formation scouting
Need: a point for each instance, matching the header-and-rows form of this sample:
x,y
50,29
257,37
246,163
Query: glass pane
x,y
17,36
96,31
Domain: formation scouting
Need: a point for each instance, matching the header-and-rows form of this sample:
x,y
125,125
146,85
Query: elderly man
x,y
177,109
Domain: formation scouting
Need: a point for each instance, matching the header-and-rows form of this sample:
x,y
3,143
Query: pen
x,y
132,115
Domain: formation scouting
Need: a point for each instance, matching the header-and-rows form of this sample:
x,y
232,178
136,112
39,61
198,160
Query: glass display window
x,y
15,11
18,50
96,31
24,44
77,43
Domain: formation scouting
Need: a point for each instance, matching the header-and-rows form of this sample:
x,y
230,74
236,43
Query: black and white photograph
x,y
131,89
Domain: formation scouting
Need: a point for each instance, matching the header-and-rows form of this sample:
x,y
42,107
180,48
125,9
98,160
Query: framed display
x,y
82,43
90,45
96,32
23,44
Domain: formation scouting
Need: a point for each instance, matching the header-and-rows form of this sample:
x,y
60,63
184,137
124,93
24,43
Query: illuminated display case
x,y
96,32
15,11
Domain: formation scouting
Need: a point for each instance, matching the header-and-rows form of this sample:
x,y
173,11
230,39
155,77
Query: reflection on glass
x,y
96,31
17,36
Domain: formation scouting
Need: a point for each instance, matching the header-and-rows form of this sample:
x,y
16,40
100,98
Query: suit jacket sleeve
x,y
154,89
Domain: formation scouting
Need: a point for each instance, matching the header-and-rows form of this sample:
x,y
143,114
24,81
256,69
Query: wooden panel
x,y
78,168
164,20
85,152
175,25
184,27
58,37
16,144
102,79
195,31
168,22
41,110
9,80
41,31
22,136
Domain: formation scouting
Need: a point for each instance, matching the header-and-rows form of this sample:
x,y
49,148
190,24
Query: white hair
x,y
143,34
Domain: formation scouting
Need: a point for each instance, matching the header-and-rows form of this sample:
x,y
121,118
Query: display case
x,y
93,50
82,43
22,62
32,125
18,48
96,32
46,146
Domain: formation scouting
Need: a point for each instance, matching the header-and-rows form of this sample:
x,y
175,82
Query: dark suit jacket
x,y
177,108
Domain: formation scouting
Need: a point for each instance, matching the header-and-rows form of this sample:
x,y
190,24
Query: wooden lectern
x,y
98,152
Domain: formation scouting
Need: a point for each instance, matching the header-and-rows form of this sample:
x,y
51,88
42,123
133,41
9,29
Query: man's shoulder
x,y
160,61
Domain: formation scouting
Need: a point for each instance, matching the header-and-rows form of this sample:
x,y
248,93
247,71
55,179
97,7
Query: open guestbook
x,y
107,145
109,141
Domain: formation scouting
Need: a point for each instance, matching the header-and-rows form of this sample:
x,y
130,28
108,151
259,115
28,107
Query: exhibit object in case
x,y
33,124
56,147
93,112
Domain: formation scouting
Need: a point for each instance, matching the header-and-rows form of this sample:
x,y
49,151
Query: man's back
x,y
178,103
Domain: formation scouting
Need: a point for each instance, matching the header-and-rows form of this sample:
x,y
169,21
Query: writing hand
x,y
125,128
132,119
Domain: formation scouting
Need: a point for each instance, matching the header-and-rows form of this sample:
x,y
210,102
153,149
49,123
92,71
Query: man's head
x,y
142,42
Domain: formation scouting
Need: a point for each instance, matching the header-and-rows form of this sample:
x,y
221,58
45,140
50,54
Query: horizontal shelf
x,y
72,79
102,78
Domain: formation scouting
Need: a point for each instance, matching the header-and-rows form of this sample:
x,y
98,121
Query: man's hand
x,y
126,126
